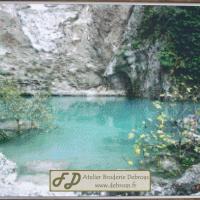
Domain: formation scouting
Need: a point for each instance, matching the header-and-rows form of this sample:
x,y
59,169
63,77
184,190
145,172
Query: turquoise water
x,y
88,133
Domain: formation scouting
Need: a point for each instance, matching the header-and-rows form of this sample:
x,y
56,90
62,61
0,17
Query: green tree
x,y
178,28
13,106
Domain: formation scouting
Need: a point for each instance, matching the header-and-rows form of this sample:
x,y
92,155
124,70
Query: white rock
x,y
10,186
7,170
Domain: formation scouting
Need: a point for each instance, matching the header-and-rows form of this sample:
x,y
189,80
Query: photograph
x,y
109,89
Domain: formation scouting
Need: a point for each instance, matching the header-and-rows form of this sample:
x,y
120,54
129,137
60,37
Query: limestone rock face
x,y
139,66
63,47
74,50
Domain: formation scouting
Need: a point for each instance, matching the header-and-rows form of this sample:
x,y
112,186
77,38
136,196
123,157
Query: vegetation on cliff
x,y
179,28
174,139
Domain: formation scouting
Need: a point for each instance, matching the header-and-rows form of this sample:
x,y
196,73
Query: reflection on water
x,y
88,133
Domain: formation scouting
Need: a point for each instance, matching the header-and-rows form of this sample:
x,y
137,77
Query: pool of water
x,y
88,133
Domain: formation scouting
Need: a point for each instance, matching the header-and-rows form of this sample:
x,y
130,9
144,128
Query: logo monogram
x,y
76,177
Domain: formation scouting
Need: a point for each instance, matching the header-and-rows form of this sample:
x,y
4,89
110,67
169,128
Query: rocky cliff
x,y
73,50
137,65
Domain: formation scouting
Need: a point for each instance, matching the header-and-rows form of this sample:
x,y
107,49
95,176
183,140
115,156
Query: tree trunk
x,y
18,125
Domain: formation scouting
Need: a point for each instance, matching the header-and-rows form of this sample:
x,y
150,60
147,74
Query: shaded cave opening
x,y
120,81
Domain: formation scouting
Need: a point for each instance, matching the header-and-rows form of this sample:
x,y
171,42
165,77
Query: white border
x,y
100,197
112,3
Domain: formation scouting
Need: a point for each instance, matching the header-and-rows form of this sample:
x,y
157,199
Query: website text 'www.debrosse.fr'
x,y
114,185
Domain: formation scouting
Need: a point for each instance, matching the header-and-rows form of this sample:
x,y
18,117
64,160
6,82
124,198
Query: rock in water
x,y
10,129
13,126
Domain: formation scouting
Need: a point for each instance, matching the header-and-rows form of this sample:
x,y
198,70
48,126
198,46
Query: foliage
x,y
40,110
136,44
167,139
167,59
179,27
13,106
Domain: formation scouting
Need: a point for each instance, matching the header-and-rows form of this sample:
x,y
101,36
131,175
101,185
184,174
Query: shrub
x,y
13,106
179,27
